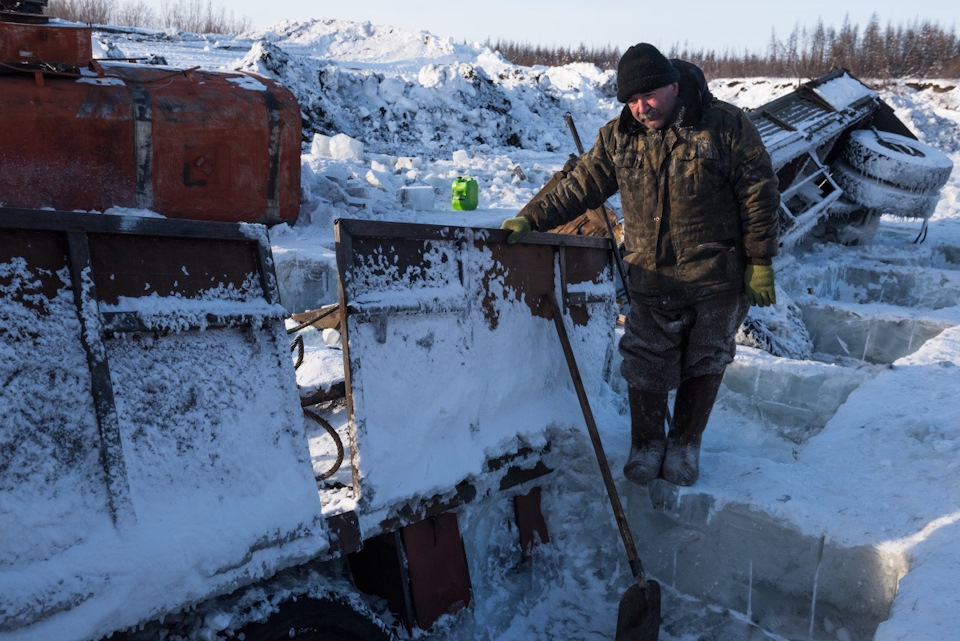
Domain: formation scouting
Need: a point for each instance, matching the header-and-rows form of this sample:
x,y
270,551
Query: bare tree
x,y
197,17
135,13
89,11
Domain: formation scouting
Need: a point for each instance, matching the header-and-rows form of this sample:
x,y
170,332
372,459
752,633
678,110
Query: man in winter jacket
x,y
700,203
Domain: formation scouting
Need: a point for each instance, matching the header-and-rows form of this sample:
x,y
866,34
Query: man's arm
x,y
587,186
755,185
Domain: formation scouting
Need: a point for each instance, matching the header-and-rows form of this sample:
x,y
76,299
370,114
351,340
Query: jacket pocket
x,y
713,262
698,174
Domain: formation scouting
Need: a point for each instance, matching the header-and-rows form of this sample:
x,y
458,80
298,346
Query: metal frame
x,y
76,230
553,259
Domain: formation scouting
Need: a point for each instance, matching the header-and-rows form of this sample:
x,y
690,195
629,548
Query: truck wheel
x,y
897,160
309,619
882,197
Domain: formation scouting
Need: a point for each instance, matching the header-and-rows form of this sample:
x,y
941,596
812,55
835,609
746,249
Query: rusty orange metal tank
x,y
204,145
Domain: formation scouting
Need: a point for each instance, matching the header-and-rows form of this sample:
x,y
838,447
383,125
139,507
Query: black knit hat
x,y
641,69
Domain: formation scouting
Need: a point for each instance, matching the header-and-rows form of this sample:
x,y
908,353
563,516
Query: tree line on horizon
x,y
195,16
918,49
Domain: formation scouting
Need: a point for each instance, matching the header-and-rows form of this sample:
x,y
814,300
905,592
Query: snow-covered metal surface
x,y
843,92
805,120
433,307
145,467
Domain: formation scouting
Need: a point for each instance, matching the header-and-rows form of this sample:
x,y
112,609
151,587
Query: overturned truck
x,y
843,160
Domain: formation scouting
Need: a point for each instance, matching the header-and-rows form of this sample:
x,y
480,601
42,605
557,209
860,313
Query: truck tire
x,y
897,160
882,197
308,619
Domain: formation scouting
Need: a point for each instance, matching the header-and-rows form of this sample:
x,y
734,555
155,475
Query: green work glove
x,y
758,282
518,227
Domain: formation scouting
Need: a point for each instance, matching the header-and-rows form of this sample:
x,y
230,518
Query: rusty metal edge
x,y
65,221
423,231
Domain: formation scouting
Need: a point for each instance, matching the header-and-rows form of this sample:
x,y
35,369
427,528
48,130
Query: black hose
x,y
298,345
336,440
313,320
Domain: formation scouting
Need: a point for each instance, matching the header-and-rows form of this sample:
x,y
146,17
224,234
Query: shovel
x,y
638,618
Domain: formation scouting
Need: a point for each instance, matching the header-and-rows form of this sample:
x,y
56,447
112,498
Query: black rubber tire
x,y
309,619
881,197
897,160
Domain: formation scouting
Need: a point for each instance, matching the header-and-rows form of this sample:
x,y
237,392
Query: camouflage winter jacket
x,y
699,198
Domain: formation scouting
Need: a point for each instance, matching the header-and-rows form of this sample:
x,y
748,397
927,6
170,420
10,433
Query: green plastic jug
x,y
464,194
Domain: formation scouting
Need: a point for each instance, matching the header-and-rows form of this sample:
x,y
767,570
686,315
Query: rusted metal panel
x,y
420,570
69,44
437,563
530,522
193,144
67,145
135,266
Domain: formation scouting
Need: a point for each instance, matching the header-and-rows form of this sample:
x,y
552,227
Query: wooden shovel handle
x,y
635,565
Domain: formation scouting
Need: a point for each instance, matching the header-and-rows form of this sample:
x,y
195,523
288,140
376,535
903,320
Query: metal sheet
x,y
437,563
193,144
451,362
162,454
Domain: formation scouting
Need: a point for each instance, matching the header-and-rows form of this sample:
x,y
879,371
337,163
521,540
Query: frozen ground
x,y
828,501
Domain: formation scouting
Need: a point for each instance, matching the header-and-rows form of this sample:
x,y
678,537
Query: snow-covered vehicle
x,y
158,472
843,160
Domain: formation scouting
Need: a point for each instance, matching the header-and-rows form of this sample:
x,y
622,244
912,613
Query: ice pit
x,y
905,286
793,398
799,585
849,333
726,542
935,256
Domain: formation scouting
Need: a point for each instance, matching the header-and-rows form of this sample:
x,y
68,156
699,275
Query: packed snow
x,y
828,487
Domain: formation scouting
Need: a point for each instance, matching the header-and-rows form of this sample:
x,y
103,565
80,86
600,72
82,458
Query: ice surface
x,y
416,197
343,147
320,146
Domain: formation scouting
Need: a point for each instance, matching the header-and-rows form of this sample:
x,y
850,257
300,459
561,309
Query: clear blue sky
x,y
698,24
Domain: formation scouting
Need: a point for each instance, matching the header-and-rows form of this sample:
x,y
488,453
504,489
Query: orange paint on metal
x,y
67,44
195,144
